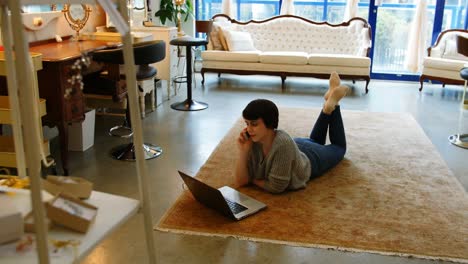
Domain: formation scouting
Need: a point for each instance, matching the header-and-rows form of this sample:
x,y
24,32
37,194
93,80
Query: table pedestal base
x,y
189,105
127,152
460,140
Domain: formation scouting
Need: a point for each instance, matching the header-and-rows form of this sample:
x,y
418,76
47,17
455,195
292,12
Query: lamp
x,y
178,4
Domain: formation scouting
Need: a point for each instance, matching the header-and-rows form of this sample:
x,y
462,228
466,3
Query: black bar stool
x,y
145,53
189,104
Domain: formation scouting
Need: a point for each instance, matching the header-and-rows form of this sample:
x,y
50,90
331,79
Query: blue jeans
x,y
324,157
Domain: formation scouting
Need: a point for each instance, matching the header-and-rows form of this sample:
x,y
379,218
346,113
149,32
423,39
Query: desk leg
x,y
63,136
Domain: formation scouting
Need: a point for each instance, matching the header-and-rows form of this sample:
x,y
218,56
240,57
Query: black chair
x,y
145,53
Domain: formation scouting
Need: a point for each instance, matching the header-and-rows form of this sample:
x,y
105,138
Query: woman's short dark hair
x,y
264,109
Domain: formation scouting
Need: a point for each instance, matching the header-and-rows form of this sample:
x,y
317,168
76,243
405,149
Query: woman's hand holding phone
x,y
244,142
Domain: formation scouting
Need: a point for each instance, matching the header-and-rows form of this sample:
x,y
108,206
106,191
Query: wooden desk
x,y
53,81
117,37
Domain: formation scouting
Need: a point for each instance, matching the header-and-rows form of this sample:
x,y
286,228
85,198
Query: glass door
x,y
391,22
392,29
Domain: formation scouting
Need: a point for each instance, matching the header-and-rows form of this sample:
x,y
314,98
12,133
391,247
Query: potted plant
x,y
169,10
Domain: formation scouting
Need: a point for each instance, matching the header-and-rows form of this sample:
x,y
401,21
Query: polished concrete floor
x,y
188,138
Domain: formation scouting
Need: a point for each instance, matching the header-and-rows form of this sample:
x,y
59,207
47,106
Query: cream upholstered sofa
x,y
289,46
443,62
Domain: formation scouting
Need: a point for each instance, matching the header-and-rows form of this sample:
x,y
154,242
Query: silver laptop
x,y
225,200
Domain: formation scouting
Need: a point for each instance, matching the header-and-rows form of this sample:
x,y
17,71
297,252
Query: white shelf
x,y
113,211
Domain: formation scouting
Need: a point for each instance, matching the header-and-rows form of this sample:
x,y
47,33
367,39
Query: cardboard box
x,y
73,186
81,135
11,222
71,212
29,223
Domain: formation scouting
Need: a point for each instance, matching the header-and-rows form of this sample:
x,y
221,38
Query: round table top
x,y
188,41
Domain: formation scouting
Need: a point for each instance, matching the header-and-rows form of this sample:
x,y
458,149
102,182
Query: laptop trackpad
x,y
234,195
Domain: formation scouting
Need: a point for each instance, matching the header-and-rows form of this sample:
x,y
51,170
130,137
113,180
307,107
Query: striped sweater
x,y
285,167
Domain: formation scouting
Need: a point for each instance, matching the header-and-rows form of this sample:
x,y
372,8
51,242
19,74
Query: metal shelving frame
x,y
20,85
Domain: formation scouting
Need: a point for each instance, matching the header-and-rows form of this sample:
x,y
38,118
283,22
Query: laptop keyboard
x,y
235,207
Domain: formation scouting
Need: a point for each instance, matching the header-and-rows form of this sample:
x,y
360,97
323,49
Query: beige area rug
x,y
393,194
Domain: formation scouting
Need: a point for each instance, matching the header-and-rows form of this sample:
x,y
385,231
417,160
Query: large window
x,y
331,11
390,23
316,10
455,14
392,34
205,9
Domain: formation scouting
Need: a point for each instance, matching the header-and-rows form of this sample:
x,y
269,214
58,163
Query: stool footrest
x,y
127,152
180,79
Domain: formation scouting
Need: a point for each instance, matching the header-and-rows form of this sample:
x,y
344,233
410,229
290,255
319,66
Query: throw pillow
x,y
222,38
451,51
216,35
239,41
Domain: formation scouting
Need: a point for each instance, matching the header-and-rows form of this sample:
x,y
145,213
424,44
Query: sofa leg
x,y
367,85
421,81
203,77
283,79
219,74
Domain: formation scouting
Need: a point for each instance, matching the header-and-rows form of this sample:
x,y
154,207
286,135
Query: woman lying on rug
x,y
272,160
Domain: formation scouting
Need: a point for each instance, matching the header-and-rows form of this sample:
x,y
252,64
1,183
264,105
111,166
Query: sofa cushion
x,y
446,74
284,57
341,59
444,64
238,41
241,56
294,68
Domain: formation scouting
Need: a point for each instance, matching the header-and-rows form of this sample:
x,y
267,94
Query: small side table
x,y
461,140
189,104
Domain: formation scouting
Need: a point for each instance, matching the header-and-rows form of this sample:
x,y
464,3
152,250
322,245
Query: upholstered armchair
x,y
443,62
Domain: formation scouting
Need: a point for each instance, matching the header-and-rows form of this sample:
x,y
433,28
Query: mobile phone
x,y
247,136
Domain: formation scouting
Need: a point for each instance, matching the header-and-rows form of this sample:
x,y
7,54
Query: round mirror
x,y
76,15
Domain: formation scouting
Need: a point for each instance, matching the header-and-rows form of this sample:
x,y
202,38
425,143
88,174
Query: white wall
x,y
54,23
59,26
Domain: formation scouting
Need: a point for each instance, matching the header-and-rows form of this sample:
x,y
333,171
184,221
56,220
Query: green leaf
x,y
168,11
